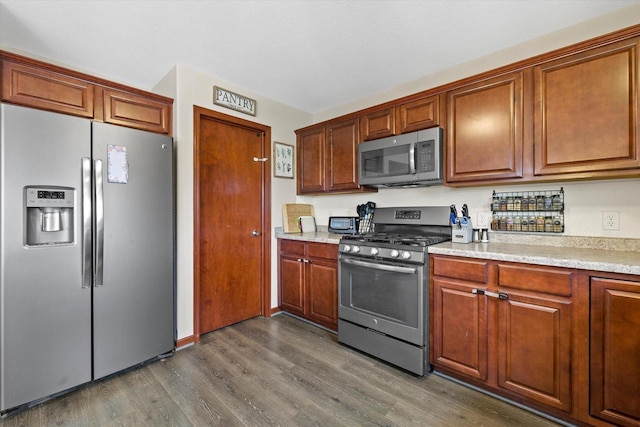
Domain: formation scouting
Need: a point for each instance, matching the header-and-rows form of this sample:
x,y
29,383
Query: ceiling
x,y
310,54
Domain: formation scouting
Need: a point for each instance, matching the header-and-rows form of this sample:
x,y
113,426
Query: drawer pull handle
x,y
499,295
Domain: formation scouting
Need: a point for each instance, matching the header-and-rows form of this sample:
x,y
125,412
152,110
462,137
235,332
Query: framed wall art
x,y
283,165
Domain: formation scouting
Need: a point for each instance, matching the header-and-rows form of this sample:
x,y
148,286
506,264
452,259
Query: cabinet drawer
x,y
292,246
322,250
547,280
470,270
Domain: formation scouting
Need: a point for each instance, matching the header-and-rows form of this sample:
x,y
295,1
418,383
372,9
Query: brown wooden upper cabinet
x,y
409,116
342,156
141,112
568,114
485,130
378,124
586,115
29,86
36,84
420,114
328,158
311,160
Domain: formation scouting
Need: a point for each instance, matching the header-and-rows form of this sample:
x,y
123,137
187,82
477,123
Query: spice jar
x,y
509,203
495,204
558,226
548,225
540,223
509,223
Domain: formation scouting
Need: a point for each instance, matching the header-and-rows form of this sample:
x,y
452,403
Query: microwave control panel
x,y
426,156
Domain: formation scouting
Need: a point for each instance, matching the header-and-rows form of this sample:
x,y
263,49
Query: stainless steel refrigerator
x,y
86,251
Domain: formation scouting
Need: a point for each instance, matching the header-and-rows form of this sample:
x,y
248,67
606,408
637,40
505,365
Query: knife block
x,y
464,234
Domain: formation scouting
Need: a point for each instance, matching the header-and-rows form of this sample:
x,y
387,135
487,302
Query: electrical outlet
x,y
484,219
611,220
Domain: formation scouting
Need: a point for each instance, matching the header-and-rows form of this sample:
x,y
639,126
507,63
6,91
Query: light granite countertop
x,y
614,261
320,236
597,254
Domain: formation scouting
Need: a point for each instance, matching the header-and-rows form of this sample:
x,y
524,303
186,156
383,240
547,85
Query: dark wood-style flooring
x,y
275,371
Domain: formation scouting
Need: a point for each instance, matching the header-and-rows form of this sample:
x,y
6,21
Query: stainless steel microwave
x,y
407,160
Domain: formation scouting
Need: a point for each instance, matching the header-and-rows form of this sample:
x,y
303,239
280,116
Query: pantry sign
x,y
234,101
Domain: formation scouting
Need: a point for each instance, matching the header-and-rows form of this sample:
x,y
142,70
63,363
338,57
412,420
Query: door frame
x,y
199,114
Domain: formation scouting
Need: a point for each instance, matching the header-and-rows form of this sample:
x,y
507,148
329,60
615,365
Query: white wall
x,y
584,201
190,87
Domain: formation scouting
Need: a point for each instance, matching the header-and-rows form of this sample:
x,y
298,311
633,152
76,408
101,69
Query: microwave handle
x,y
412,159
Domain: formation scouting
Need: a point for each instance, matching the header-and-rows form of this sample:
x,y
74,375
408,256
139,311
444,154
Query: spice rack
x,y
528,211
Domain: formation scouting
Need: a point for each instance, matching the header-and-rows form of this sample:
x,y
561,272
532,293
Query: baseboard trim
x,y
185,342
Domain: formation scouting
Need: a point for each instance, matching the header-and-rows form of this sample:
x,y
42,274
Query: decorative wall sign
x,y
283,164
234,101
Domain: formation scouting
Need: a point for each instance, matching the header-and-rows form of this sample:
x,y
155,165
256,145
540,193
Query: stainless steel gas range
x,y
384,285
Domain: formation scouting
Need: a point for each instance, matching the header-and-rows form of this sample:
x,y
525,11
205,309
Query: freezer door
x,y
45,313
133,304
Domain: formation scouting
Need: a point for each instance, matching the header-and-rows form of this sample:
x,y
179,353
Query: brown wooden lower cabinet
x,y
460,331
615,351
556,339
308,281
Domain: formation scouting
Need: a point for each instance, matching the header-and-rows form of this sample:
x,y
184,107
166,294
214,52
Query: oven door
x,y
385,297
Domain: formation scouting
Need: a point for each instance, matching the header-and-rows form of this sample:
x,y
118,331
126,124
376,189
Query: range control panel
x,y
408,214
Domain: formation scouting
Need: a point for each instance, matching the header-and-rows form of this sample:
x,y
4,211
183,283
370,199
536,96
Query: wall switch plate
x,y
484,219
611,220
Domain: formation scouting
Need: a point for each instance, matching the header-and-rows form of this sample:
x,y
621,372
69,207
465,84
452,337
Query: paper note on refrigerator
x,y
117,166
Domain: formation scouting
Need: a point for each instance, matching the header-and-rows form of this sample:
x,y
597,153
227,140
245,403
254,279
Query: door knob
x,y
255,233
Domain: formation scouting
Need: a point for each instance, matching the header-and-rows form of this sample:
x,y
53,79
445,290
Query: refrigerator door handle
x,y
86,222
99,213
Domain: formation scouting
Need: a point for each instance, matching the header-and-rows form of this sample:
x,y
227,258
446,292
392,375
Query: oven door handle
x,y
384,267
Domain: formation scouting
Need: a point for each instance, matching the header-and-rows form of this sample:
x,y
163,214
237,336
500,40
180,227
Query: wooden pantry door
x,y
231,220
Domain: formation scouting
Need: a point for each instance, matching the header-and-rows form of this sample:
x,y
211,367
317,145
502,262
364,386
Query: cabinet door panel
x,y
420,114
460,329
342,155
485,132
292,284
378,124
38,88
615,351
586,115
139,112
322,287
311,161
534,355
